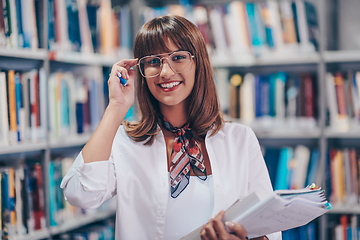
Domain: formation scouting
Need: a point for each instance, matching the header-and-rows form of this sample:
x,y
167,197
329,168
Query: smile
x,y
169,85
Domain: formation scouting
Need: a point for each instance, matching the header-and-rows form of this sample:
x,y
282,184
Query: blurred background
x,y
289,69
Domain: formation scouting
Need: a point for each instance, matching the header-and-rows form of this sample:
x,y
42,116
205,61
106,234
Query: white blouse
x,y
197,198
137,176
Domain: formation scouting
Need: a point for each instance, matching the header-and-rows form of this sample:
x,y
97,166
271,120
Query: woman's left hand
x,y
215,229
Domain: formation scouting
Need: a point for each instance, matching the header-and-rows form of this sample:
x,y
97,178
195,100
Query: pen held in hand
x,y
123,81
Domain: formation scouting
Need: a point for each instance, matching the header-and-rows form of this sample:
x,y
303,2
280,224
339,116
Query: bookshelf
x,y
38,145
335,53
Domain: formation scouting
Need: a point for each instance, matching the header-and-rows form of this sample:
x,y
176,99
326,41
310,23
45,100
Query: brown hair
x,y
204,109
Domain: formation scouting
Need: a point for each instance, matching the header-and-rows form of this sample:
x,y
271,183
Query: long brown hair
x,y
204,109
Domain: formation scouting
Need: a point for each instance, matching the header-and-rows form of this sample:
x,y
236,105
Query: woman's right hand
x,y
119,95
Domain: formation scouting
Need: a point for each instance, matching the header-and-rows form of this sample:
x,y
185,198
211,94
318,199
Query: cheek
x,y
151,86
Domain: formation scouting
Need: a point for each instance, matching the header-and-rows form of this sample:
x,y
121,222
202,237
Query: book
x,y
4,123
261,214
236,24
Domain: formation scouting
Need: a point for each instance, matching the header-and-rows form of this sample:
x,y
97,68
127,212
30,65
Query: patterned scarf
x,y
186,155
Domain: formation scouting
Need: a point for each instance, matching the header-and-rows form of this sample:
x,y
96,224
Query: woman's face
x,y
171,88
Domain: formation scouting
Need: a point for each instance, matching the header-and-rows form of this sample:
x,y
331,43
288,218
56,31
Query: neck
x,y
175,115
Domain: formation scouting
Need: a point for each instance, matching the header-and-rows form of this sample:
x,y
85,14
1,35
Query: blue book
x,y
258,112
19,23
19,105
255,27
5,202
80,117
73,25
269,33
52,201
283,174
271,157
51,24
349,234
296,22
265,95
312,21
291,234
59,197
311,231
65,105
272,94
313,167
91,8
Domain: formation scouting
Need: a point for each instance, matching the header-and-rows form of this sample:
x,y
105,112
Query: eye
x,y
178,57
153,61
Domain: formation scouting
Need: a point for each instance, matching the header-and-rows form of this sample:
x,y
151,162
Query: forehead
x,y
170,48
171,45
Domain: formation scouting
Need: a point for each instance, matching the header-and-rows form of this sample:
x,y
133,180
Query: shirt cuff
x,y
92,176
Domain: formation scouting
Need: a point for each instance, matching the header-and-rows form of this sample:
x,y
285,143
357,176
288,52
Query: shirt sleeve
x,y
88,185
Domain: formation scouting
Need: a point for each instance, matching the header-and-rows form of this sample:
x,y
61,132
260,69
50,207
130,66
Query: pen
x,y
122,80
327,206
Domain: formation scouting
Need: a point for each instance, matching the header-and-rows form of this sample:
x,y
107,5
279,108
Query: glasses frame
x,y
161,62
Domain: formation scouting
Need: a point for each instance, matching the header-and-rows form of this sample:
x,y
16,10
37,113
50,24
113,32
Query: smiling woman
x,y
165,35
180,164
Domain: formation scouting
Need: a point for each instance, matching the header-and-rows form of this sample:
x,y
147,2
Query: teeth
x,y
169,85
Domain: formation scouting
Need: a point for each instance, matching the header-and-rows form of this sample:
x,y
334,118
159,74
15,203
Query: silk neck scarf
x,y
186,154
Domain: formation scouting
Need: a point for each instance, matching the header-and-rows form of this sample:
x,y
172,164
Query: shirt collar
x,y
220,132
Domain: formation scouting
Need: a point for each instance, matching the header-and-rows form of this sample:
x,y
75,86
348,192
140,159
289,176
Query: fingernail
x,y
229,224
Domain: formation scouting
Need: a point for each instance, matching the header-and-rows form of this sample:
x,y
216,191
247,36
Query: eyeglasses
x,y
150,66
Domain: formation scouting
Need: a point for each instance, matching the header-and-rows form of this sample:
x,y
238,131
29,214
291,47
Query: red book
x,y
340,94
309,106
37,196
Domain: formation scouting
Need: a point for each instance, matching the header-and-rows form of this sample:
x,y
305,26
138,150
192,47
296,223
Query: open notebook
x,y
263,214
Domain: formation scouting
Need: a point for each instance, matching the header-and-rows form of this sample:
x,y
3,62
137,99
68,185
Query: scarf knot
x,y
186,155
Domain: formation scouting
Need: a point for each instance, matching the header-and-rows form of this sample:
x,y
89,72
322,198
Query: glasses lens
x,y
150,66
181,61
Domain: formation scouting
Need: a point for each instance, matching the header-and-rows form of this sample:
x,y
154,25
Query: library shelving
x,y
56,56
49,112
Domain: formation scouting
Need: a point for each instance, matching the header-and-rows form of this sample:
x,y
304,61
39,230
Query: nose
x,y
166,71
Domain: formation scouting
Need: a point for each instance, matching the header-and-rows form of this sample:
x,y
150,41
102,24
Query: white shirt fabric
x,y
137,175
197,198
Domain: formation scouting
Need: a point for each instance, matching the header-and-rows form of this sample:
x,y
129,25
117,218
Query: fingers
x,y
237,229
215,228
124,68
